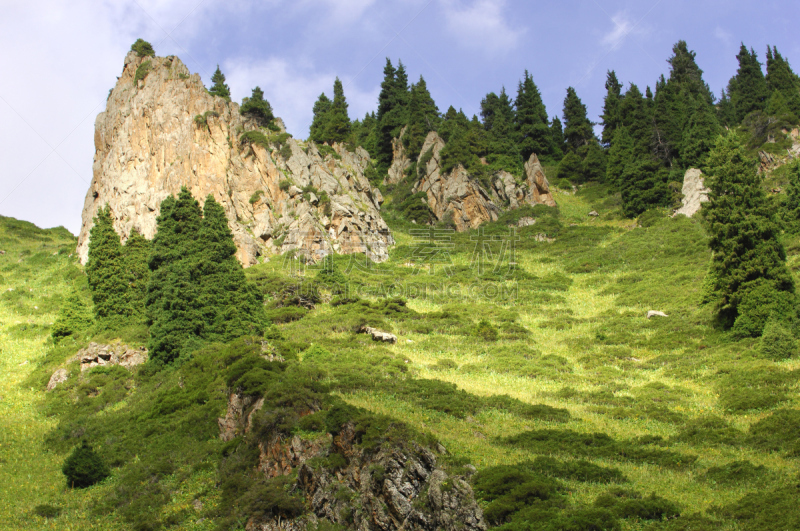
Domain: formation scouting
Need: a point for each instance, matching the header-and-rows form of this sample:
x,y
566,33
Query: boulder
x,y
654,313
694,193
593,214
377,335
525,222
60,376
96,354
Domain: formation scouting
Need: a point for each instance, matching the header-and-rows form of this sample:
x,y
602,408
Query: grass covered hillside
x,y
525,354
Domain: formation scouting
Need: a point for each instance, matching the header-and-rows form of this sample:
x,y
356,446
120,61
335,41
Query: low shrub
x,y
486,331
631,504
736,472
777,342
46,511
143,48
84,468
141,72
779,431
284,185
709,430
256,197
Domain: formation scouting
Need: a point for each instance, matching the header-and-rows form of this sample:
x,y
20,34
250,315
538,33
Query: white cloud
x,y
624,26
723,35
292,88
481,25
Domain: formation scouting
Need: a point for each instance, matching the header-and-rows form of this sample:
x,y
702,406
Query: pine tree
x,y
620,154
319,124
84,468
594,161
700,136
748,278
455,132
577,127
337,127
643,185
173,303
365,136
791,204
423,117
726,114
780,79
611,107
74,317
258,108
533,132
636,119
498,121
392,111
135,254
143,48
231,306
557,133
219,88
748,89
105,269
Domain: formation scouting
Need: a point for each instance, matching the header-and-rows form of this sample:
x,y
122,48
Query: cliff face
x,y
458,195
148,143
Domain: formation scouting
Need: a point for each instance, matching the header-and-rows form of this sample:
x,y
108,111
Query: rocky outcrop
x,y
694,193
96,354
162,130
58,377
377,335
400,161
396,486
457,197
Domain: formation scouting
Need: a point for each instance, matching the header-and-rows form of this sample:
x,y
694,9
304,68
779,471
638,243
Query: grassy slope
x,y
588,348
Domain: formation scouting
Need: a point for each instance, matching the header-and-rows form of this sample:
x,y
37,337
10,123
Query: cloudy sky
x,y
60,58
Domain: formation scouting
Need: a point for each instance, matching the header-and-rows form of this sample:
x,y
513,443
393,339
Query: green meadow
x,y
513,349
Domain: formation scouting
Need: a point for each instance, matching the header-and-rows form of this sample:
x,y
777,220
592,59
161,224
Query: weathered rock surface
x,y
377,335
655,313
397,486
457,196
60,376
96,354
148,145
400,161
694,193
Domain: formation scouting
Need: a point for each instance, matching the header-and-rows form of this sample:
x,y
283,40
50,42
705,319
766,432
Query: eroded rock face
x,y
148,145
400,161
398,486
96,354
694,193
457,196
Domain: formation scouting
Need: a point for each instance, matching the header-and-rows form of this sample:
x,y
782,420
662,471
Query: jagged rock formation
x,y
96,355
457,196
400,161
396,486
769,161
694,193
164,131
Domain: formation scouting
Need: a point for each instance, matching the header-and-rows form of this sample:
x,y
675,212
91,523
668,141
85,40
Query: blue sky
x,y
60,58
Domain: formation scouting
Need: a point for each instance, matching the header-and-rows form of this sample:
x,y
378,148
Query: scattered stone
x,y
525,222
542,237
694,193
2,252
654,313
377,335
594,213
60,376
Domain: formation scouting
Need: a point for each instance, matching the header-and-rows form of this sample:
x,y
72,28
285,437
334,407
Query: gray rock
x,y
526,222
593,213
60,376
694,193
96,354
377,335
654,313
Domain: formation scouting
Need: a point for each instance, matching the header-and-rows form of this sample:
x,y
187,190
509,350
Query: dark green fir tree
x,y
106,269
337,126
611,107
577,127
322,107
532,129
218,87
258,108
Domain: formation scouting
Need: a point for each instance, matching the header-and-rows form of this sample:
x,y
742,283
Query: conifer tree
x,y
780,79
748,89
643,185
322,107
726,114
577,127
423,117
702,131
557,132
135,254
74,317
611,107
219,88
257,107
105,269
748,278
365,136
231,306
791,204
143,48
392,111
636,119
455,131
337,127
620,153
498,121
173,305
533,132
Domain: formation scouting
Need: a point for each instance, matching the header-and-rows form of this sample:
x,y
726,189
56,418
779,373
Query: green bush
x,y
143,48
776,342
74,317
486,331
779,431
284,185
141,72
256,197
46,511
737,472
84,468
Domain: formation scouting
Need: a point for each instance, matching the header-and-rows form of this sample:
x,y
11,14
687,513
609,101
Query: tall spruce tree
x,y
105,269
748,89
577,127
498,121
392,111
791,204
701,132
533,132
643,185
135,254
621,152
218,87
726,114
782,81
611,107
174,310
557,132
231,306
748,280
423,117
337,127
322,107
